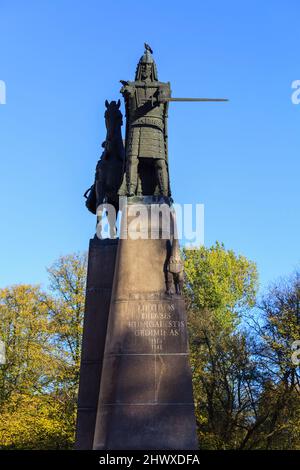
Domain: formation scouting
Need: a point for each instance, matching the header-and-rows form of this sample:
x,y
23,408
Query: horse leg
x,y
111,214
99,223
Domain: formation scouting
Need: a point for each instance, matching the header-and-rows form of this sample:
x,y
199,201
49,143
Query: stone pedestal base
x,y
146,399
101,266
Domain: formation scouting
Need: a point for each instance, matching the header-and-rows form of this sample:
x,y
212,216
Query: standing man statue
x,y
146,103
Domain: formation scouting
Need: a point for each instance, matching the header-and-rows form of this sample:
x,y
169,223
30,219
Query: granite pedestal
x,y
101,266
145,399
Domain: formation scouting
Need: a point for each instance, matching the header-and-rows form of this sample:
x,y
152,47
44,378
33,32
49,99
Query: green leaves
x,y
217,279
246,388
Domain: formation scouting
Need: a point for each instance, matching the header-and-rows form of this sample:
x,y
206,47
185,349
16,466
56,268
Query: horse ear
x,y
119,103
106,103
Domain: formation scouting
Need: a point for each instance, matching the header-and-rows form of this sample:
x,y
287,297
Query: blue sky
x,y
61,59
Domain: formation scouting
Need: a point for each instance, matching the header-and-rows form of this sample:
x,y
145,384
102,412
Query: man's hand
x,y
126,89
162,95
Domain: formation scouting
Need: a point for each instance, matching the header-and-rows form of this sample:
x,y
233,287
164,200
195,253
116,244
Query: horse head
x,y
113,119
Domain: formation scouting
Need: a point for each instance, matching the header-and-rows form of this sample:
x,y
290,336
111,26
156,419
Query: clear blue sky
x,y
60,59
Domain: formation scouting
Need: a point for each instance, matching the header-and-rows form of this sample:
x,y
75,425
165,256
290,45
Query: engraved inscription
x,y
155,322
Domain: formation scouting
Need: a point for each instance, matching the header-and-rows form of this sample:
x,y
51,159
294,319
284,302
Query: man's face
x,y
146,71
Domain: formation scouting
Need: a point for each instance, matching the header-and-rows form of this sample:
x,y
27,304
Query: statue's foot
x,y
169,291
178,291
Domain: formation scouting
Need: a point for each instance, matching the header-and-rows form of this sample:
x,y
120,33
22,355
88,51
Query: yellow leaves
x,y
42,335
34,422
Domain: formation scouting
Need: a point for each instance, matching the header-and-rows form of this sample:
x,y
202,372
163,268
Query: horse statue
x,y
109,170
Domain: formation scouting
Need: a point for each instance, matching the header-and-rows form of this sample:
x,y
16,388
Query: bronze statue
x,y
175,270
142,168
174,267
146,131
110,168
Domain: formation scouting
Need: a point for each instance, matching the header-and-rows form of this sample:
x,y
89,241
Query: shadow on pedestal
x,y
101,266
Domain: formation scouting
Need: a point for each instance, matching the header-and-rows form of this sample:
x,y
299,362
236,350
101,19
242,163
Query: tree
x,y
246,388
220,287
25,330
276,328
26,410
42,333
34,421
66,311
221,281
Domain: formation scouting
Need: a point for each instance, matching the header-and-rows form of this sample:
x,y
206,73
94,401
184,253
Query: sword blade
x,y
197,99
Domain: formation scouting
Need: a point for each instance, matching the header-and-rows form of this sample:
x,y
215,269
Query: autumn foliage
x,y
246,387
